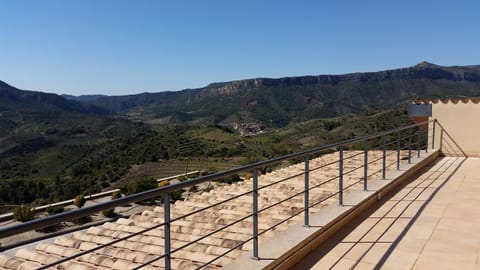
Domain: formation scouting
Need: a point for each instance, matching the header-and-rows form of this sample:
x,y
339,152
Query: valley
x,y
56,147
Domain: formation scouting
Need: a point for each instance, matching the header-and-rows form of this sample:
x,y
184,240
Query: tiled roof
x,y
454,100
142,248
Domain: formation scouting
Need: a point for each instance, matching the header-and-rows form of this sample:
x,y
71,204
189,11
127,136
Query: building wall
x,y
461,121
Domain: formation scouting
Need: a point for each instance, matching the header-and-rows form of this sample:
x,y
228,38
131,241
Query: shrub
x,y
164,183
235,178
248,176
139,186
116,195
176,195
23,213
211,169
52,210
79,201
50,229
194,175
330,125
82,220
109,212
182,178
230,179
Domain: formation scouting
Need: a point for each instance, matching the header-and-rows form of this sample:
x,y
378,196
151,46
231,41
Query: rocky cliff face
x,y
423,70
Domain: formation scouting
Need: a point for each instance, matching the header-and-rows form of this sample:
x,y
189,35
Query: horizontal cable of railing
x,y
281,201
99,247
353,184
374,161
281,222
211,233
211,206
323,199
375,173
324,165
352,170
224,253
282,180
353,156
324,182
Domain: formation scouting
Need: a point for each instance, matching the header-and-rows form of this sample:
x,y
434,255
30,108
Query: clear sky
x,y
120,47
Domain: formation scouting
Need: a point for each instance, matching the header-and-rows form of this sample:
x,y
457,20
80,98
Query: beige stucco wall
x,y
461,122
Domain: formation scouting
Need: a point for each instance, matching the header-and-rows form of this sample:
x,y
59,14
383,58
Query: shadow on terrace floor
x,y
369,241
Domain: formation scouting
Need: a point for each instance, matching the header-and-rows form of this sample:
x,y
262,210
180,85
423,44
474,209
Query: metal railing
x,y
43,208
401,140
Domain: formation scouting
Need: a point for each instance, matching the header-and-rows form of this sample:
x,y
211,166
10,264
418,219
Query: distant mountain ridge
x,y
84,98
14,99
278,101
271,102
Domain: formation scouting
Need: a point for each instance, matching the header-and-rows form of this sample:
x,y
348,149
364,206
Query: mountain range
x,y
260,103
54,147
277,102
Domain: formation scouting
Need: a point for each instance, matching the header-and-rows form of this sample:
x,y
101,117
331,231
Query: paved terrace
x,y
431,223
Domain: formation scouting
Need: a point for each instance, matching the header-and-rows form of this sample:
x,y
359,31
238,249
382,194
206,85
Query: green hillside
x,y
53,147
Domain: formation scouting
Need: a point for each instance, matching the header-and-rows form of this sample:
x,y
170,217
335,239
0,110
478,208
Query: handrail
x,y
9,216
61,217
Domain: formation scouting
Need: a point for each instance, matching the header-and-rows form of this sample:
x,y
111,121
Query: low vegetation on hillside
x,y
63,171
54,148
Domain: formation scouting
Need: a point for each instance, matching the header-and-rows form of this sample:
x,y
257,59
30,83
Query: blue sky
x,y
127,47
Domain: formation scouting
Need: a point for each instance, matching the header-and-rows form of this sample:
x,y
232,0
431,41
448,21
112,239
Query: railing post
x,y
384,157
340,175
441,138
365,164
307,196
418,142
409,145
166,214
433,134
398,151
426,137
255,214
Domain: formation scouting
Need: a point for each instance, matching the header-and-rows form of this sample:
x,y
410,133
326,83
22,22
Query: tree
x,y
109,212
52,210
23,213
79,201
116,195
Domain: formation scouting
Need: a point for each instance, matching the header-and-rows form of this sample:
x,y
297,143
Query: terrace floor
x,y
433,222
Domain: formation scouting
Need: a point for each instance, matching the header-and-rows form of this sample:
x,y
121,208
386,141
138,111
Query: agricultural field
x,y
166,168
